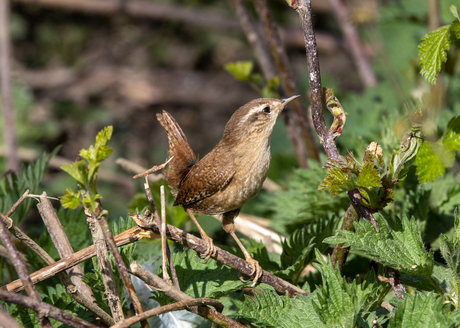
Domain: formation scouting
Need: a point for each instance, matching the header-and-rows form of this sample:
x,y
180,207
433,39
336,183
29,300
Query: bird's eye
x,y
266,109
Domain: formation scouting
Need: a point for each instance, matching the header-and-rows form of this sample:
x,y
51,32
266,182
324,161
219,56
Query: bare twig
x,y
62,244
156,217
45,309
164,239
156,282
22,271
18,202
165,309
287,80
126,237
339,254
5,82
136,168
105,267
355,198
221,255
303,8
122,269
342,14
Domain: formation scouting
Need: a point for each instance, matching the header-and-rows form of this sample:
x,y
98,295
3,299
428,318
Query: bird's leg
x,y
211,250
229,227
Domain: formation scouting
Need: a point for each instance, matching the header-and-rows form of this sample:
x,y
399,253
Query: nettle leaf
x,y
402,249
433,52
241,70
369,176
339,177
452,138
212,279
302,313
429,165
263,310
422,311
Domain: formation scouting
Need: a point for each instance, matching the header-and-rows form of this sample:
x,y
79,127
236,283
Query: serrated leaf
x,y
336,182
421,311
433,52
455,27
265,310
369,176
453,9
452,137
240,69
302,314
402,250
429,165
71,199
212,279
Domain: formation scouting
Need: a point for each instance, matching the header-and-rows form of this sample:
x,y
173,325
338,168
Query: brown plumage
x,y
228,176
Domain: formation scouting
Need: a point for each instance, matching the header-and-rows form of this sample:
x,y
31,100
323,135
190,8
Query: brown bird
x,y
231,174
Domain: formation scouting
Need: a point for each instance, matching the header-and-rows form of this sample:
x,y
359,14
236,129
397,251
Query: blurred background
x,y
80,65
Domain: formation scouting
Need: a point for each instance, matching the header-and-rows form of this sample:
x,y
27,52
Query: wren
x,y
228,176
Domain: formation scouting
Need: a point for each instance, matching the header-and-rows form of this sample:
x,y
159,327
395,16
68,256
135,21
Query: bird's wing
x,y
204,180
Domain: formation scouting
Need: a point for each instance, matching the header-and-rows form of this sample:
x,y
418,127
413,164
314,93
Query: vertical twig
x,y
156,217
5,83
287,79
105,267
62,244
22,271
342,14
122,268
303,8
164,240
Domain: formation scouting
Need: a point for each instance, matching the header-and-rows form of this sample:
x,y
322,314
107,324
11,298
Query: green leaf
x,y
422,311
369,176
264,310
340,176
302,313
454,11
433,52
452,137
240,70
212,279
77,171
401,249
455,27
71,199
429,165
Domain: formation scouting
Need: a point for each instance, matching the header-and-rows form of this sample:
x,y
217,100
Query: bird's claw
x,y
256,272
210,249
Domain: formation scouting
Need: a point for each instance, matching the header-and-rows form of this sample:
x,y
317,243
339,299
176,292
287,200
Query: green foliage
x,y
434,46
242,71
29,179
421,310
433,158
85,172
401,248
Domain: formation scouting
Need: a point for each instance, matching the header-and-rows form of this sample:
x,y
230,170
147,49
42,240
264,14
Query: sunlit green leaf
x,y
433,52
429,165
240,70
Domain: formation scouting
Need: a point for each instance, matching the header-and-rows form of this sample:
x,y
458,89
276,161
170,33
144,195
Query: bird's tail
x,y
181,157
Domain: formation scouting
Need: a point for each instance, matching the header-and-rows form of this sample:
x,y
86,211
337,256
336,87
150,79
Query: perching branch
x,y
233,261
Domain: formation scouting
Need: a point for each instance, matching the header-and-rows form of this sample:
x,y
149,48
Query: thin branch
x,y
165,309
287,79
126,237
122,269
18,202
339,254
5,83
105,267
156,282
342,14
233,261
45,309
164,239
156,217
303,8
62,244
22,271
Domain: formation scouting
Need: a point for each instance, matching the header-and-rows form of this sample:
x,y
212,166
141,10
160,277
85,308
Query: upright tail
x,y
180,154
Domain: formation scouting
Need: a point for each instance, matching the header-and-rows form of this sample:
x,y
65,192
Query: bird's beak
x,y
287,100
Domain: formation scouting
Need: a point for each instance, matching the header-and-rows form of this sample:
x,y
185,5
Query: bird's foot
x,y
256,272
210,249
